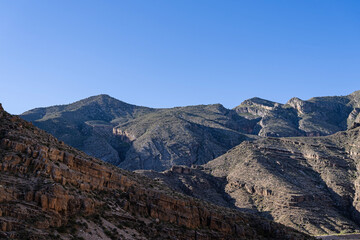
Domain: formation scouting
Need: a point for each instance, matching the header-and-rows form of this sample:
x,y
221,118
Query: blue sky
x,y
175,53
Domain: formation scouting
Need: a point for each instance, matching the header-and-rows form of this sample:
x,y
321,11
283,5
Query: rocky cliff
x,y
310,184
49,190
318,116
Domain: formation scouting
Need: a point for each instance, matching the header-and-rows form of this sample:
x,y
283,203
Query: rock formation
x,y
183,136
318,116
49,190
308,183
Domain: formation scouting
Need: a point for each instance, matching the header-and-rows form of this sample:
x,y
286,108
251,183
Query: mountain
x,y
186,135
308,183
87,124
49,190
275,160
134,137
318,116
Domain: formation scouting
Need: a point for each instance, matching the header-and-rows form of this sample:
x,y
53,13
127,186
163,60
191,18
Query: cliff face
x,y
310,184
51,190
318,116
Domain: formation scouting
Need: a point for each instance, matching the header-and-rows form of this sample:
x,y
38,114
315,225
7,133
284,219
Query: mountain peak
x,y
102,96
99,98
356,93
258,101
294,101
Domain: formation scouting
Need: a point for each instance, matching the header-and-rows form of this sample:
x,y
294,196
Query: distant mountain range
x,y
135,137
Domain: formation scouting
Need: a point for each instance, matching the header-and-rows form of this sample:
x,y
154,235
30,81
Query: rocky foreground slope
x,y
134,137
49,190
309,183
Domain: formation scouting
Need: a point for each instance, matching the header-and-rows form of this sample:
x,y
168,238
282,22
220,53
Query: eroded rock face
x,y
302,107
48,188
256,107
306,183
180,136
125,136
354,118
310,184
318,116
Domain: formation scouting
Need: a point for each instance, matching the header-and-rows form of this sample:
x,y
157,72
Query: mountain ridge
x,y
132,136
94,133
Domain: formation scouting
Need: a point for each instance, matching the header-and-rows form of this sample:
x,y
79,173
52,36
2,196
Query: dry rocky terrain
x,y
310,184
49,190
295,163
135,137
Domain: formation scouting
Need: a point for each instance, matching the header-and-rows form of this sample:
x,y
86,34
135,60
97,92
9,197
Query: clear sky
x,y
176,52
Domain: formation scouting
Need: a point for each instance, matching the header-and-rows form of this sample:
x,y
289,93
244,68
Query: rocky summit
x,y
49,190
317,116
88,124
